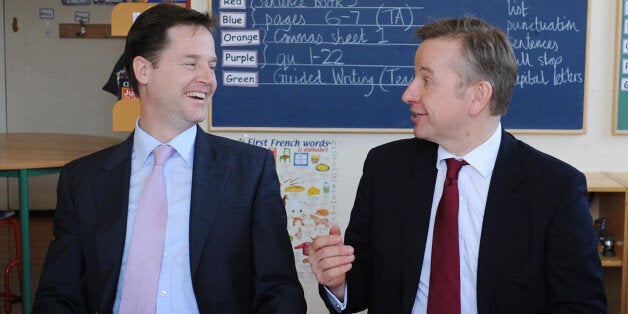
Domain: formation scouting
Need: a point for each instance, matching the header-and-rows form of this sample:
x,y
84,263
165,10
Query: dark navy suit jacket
x,y
538,249
241,259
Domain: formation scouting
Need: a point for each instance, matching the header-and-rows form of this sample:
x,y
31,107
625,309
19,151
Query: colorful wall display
x,y
307,171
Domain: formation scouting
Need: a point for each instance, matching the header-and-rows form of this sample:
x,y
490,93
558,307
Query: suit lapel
x,y
111,195
415,216
503,208
209,176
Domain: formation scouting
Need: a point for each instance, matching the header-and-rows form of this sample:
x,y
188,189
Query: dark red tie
x,y
444,293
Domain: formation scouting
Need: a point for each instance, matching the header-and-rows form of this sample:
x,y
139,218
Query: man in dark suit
x,y
525,240
226,246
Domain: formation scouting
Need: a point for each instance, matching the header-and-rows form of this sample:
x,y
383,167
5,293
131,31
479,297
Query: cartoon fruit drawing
x,y
313,191
322,167
294,188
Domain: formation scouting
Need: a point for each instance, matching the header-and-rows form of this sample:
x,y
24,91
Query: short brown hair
x,y
148,35
487,55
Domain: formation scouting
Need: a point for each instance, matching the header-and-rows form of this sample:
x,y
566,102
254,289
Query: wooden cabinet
x,y
608,191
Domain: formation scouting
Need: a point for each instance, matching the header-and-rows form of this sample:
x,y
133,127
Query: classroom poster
x,y
307,171
620,105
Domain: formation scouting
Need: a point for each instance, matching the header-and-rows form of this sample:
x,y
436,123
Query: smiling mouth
x,y
196,95
416,115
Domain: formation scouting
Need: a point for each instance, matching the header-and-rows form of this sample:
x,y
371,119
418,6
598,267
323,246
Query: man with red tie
x,y
507,231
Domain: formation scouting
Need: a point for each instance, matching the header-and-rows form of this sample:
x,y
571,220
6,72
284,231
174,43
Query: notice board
x,y
620,110
342,65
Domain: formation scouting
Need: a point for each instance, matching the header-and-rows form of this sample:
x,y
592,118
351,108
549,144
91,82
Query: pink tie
x,y
444,293
141,278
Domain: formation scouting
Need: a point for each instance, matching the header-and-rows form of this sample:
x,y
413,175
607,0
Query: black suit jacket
x,y
538,250
241,259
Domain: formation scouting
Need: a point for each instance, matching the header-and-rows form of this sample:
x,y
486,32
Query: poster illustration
x,y
76,2
307,171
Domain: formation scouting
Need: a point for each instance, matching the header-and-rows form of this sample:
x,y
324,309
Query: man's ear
x,y
141,68
482,93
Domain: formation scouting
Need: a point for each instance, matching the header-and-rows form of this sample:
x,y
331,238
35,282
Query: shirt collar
x,y
482,158
144,144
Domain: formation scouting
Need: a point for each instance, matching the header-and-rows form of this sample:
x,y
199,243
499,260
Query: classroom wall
x,y
3,106
3,93
54,85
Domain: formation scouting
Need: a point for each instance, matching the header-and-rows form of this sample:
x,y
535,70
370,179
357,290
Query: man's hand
x,y
330,260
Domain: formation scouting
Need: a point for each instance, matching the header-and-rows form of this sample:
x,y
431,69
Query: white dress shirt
x,y
473,185
176,294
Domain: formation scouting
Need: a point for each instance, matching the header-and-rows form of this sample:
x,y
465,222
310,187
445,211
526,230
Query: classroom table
x,y
25,155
